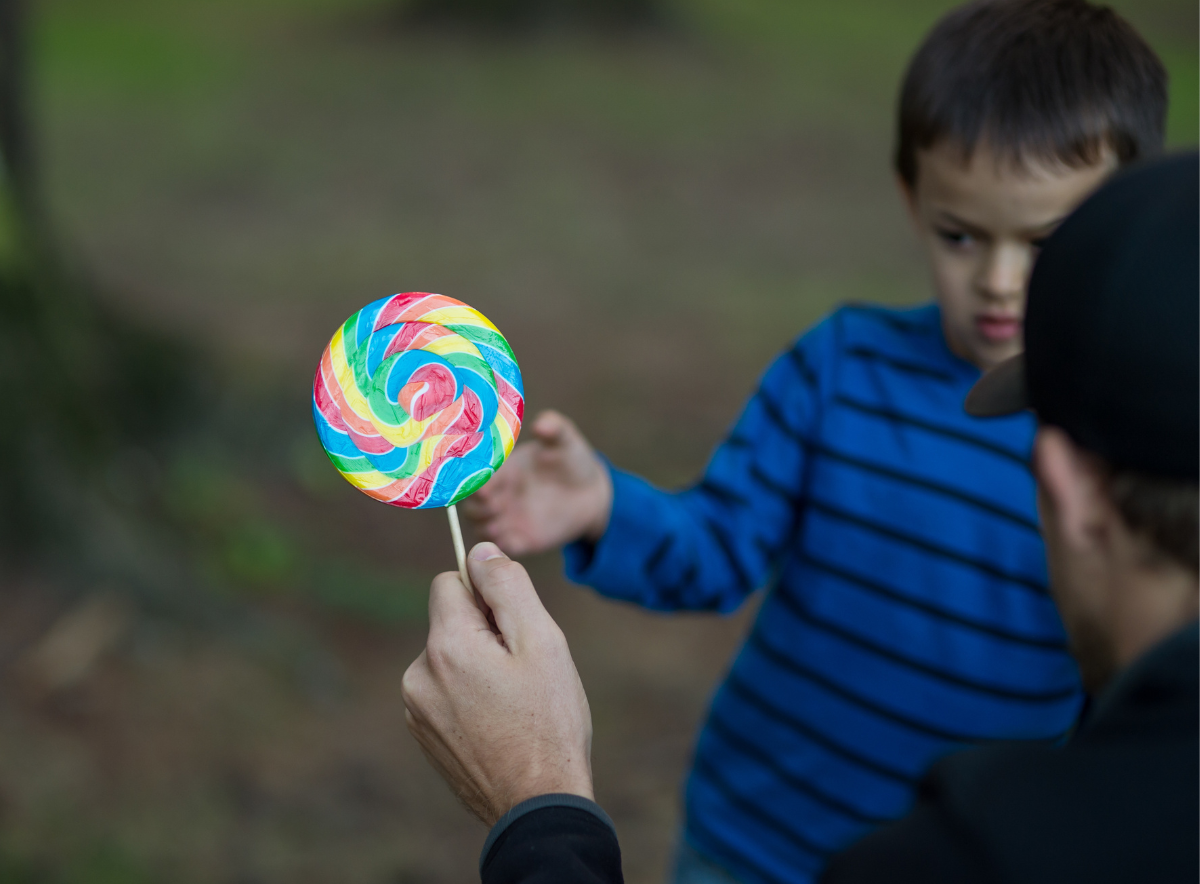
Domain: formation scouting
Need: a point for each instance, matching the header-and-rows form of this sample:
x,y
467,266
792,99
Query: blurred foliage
x,y
239,546
525,14
100,862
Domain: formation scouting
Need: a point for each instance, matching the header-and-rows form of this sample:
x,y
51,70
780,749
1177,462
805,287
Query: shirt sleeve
x,y
547,841
710,546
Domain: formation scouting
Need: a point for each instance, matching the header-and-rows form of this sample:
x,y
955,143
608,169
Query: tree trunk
x,y
79,384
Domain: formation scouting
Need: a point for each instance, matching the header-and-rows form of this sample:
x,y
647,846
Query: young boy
x,y
907,612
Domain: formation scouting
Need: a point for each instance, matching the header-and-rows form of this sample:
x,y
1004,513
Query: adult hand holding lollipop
x,y
418,400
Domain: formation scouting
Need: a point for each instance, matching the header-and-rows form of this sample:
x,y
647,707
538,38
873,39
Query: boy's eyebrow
x,y
951,218
1043,229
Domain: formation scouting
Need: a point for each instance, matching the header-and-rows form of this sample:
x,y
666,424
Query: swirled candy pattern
x,y
418,400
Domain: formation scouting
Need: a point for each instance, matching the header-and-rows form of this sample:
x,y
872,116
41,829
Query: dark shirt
x,y
1120,802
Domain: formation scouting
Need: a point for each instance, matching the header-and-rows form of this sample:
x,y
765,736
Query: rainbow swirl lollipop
x,y
418,400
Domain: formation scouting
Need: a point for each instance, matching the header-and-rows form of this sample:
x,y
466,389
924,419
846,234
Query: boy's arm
x,y
704,548
712,545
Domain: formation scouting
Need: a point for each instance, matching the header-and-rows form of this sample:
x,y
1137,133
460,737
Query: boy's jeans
x,y
693,867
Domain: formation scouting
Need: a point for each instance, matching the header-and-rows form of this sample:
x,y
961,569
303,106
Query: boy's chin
x,y
988,354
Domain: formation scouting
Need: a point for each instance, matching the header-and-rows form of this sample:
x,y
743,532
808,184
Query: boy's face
x,y
981,223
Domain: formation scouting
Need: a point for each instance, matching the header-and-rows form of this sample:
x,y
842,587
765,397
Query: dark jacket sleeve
x,y
553,845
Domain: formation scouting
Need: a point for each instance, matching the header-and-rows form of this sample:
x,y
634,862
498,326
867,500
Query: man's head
x,y
1112,369
1011,113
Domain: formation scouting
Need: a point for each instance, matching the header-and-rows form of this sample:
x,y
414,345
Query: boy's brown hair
x,y
1055,80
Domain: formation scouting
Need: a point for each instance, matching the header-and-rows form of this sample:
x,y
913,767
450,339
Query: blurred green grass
x,y
842,58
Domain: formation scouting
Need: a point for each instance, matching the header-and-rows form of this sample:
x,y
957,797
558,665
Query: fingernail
x,y
484,551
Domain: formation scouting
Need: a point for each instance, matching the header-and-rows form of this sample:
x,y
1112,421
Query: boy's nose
x,y
1005,273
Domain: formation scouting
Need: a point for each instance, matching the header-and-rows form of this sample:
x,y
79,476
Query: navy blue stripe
x,y
695,824
722,493
905,326
717,532
659,553
797,782
899,364
929,485
772,410
771,485
747,806
782,660
794,604
673,593
770,549
941,613
925,545
937,429
801,364
737,441
742,689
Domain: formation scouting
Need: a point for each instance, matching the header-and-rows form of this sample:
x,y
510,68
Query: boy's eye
x,y
954,237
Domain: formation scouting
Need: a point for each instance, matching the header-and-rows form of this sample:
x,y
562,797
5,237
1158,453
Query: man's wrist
x,y
540,802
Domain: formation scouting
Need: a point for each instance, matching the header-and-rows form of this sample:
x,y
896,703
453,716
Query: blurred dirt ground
x,y
648,218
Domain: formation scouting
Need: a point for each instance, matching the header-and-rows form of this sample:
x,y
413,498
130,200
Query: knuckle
x,y
507,576
510,571
411,685
441,656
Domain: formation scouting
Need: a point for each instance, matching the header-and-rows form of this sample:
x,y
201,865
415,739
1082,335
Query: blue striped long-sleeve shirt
x,y
907,611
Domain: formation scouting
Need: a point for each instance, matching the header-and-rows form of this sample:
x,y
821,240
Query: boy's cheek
x,y
953,281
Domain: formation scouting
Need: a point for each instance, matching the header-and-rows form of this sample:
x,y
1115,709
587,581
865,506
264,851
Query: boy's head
x,y
1011,112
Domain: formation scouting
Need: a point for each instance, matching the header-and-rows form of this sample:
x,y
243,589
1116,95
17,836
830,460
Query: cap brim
x,y
1000,391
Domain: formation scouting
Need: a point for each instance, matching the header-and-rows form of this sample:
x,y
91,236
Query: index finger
x,y
452,606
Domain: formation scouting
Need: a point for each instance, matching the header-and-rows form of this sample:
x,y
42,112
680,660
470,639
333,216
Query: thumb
x,y
506,588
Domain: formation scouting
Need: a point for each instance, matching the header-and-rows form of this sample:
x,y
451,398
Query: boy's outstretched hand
x,y
552,490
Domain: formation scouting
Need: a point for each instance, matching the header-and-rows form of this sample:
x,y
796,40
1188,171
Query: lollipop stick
x,y
460,550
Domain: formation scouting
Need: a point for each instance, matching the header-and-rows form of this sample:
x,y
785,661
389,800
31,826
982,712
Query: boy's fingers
x,y
551,427
495,486
506,588
477,507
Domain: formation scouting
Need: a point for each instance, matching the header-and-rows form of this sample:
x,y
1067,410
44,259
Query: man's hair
x,y
1045,79
1164,512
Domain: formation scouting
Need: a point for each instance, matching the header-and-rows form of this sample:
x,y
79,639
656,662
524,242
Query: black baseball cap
x,y
1112,327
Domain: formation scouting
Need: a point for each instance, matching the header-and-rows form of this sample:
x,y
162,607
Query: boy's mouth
x,y
998,329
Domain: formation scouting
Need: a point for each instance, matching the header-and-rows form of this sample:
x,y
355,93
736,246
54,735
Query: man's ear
x,y
1072,485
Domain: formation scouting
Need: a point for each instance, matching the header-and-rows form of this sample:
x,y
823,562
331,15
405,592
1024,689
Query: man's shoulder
x,y
1094,810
